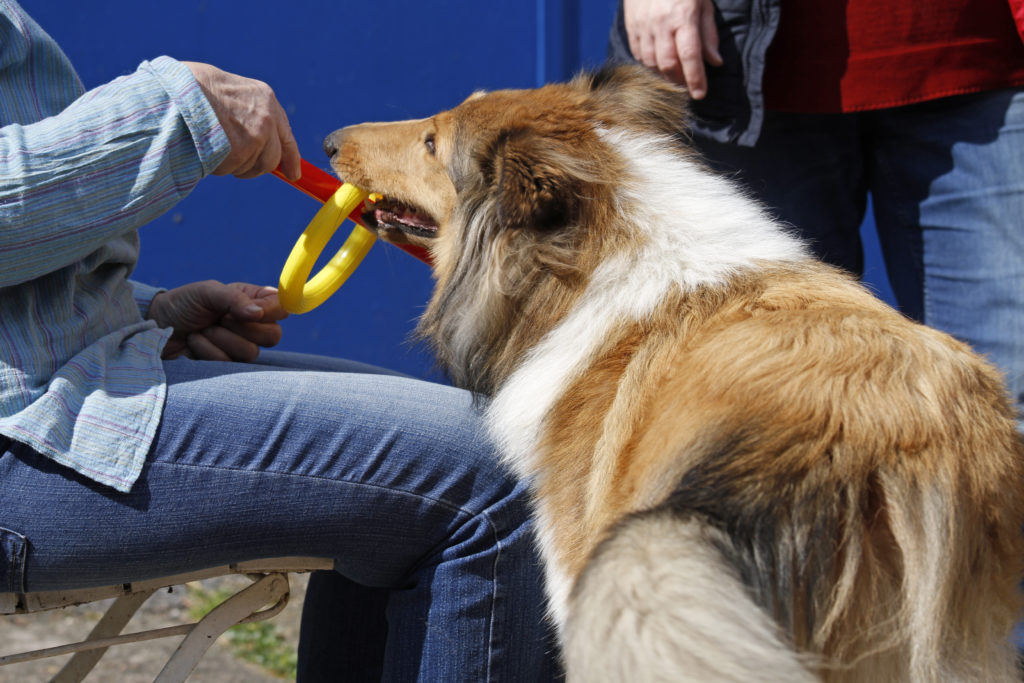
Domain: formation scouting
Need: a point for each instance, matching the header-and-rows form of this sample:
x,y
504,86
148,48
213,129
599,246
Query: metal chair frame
x,y
264,598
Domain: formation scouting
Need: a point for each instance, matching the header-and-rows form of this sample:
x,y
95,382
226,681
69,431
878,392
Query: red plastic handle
x,y
321,186
315,182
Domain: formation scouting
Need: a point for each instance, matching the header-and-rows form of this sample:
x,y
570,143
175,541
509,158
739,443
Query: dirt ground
x,y
135,662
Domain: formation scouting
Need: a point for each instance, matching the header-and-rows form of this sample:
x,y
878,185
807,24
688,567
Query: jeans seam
x,y
499,547
494,594
448,505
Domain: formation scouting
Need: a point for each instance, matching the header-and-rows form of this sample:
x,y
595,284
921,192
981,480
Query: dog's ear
x,y
634,95
532,187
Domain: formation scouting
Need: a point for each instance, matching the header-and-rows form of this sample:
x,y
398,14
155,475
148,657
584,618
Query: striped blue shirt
x,y
81,380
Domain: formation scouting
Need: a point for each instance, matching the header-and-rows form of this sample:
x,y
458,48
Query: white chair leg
x,y
113,622
268,589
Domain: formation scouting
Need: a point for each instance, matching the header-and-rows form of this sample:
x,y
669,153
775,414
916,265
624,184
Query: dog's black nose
x,y
331,145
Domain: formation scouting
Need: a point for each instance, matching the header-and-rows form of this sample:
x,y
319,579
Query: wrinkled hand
x,y
214,321
675,37
255,123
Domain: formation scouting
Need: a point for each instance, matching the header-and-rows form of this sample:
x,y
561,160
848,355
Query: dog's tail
x,y
659,602
758,573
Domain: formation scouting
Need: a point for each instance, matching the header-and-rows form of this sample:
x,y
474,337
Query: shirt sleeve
x,y
115,159
144,295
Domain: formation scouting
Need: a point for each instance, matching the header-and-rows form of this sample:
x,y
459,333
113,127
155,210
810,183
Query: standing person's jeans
x,y
389,476
947,183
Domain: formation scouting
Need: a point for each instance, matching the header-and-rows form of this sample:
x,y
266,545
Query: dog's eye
x,y
429,142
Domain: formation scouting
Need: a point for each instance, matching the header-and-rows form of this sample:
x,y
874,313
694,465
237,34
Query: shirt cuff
x,y
143,295
210,139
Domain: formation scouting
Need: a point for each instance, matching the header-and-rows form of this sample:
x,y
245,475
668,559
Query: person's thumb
x,y
238,305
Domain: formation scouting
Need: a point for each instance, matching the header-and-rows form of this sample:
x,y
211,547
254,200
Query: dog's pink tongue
x,y
410,218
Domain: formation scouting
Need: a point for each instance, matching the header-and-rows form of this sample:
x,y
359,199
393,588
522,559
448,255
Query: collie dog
x,y
745,466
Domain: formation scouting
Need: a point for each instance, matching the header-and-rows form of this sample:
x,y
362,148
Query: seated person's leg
x,y
390,477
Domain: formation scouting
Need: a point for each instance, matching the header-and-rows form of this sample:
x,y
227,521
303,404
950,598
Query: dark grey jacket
x,y
733,109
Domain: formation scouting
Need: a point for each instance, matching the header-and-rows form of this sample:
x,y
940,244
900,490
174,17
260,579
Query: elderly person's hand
x,y
675,37
255,123
215,321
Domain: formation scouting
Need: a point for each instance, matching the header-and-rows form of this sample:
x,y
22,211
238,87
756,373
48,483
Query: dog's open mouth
x,y
389,213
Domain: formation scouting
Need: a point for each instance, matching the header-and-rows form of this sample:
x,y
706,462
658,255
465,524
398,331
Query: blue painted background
x,y
331,63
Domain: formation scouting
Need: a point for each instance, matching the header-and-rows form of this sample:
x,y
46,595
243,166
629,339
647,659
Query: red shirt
x,y
832,56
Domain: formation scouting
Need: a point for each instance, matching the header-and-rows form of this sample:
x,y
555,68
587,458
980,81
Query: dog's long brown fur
x,y
746,467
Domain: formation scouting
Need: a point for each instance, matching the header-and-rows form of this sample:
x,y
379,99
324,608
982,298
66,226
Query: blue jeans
x,y
435,577
946,180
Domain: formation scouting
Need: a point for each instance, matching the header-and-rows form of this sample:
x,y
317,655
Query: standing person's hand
x,y
215,321
675,37
255,123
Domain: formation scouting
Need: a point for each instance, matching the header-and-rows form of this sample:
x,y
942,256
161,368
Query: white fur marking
x,y
694,228
703,228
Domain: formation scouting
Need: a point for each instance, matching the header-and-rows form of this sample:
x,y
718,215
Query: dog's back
x,y
844,500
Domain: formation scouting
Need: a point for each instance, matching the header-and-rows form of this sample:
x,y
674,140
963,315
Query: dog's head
x,y
533,157
505,190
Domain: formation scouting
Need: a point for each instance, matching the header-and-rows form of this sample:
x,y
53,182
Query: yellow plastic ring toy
x,y
295,293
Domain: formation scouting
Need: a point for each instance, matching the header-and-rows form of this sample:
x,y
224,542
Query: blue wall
x,y
331,63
